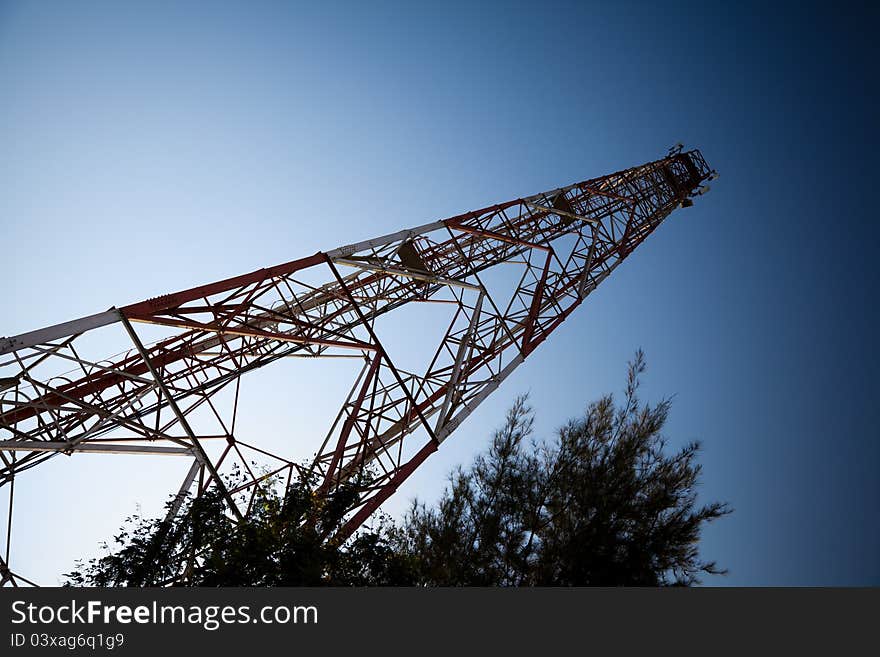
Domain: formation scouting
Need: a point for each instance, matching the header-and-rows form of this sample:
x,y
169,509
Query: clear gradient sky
x,y
147,147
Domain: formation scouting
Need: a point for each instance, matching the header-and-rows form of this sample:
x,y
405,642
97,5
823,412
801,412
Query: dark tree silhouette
x,y
602,504
282,542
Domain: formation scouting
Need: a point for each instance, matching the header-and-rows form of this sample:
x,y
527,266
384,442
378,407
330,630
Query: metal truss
x,y
161,398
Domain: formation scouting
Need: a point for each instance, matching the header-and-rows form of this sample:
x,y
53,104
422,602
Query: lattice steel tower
x,y
161,397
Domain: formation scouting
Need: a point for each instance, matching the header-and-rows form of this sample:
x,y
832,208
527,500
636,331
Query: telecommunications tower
x,y
162,396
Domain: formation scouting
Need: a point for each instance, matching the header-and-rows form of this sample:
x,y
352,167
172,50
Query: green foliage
x,y
282,542
602,503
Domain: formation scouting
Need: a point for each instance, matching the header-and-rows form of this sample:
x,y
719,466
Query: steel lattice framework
x,y
161,397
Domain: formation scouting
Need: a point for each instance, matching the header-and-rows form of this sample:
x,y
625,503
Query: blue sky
x,y
149,147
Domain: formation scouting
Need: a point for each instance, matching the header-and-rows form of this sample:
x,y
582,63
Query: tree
x,y
281,542
602,505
